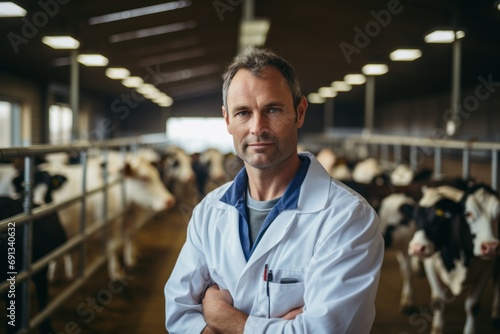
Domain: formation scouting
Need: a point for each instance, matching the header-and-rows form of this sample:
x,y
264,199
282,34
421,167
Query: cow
x,y
335,166
143,190
457,237
176,170
209,167
48,234
398,227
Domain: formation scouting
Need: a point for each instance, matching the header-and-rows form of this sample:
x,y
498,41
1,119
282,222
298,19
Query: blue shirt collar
x,y
289,201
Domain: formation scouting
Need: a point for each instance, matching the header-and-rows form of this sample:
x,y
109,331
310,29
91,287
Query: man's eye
x,y
241,113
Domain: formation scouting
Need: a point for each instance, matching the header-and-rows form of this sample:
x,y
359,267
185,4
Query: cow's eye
x,y
469,216
439,213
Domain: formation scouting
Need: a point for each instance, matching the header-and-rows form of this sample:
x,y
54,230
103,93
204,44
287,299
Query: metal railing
x,y
379,146
24,221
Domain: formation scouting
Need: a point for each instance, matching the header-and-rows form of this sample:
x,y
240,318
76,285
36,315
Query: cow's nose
x,y
417,249
490,248
169,203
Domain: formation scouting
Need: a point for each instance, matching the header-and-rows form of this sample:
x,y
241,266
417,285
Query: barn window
x,y
195,134
10,124
60,124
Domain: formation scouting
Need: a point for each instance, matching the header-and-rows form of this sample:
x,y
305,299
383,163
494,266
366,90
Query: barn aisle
x,y
139,306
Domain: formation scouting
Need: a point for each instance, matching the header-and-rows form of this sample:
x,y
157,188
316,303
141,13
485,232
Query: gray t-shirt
x,y
257,213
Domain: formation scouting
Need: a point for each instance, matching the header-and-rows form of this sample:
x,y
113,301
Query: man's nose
x,y
260,124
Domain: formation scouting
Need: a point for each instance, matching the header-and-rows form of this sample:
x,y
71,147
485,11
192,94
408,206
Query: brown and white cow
x,y
457,236
142,189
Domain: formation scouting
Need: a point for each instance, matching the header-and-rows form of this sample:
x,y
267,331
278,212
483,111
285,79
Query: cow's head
x,y
177,166
441,227
396,216
482,211
438,216
44,184
146,188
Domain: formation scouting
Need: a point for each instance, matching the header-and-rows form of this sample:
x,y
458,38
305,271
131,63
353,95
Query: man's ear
x,y
301,111
226,119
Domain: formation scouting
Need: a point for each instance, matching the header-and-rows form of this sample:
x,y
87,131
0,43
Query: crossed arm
x,y
222,317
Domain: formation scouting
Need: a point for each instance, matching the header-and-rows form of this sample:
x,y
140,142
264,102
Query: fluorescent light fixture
x,y
61,42
146,88
92,60
375,69
315,98
355,79
327,92
166,102
128,14
160,30
405,54
132,82
341,86
10,9
172,56
444,36
253,32
117,73
163,100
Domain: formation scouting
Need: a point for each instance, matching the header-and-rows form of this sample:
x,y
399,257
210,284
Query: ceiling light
x,y
355,79
405,54
92,60
327,92
10,9
146,88
117,73
163,98
341,86
498,5
132,82
253,32
166,103
61,42
165,29
315,98
443,36
128,14
375,69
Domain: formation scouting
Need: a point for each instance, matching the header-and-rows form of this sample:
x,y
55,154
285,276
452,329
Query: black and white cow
x,y
48,234
176,170
210,170
457,237
398,227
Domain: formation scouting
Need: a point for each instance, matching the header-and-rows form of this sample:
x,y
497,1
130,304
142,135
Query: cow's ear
x,y
128,171
57,181
424,189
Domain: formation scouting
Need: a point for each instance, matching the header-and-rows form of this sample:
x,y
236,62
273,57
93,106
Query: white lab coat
x,y
331,244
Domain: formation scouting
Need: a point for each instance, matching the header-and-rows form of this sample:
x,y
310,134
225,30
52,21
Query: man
x,y
283,248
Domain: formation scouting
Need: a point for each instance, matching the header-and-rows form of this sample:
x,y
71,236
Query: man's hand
x,y
293,313
219,313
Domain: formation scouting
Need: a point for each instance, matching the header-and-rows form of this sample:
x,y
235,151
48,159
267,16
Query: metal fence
x,y
23,315
410,150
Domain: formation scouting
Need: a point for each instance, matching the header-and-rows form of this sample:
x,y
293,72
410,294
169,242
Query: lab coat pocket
x,y
285,297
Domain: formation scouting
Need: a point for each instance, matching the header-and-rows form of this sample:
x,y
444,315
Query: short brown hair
x,y
256,60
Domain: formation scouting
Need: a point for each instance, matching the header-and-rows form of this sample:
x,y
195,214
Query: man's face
x,y
261,118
